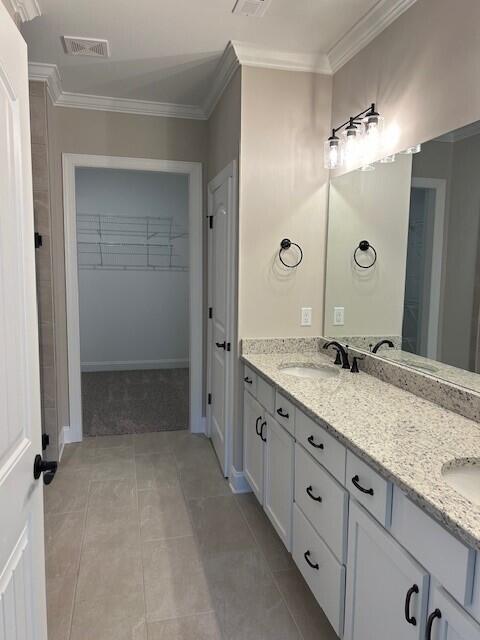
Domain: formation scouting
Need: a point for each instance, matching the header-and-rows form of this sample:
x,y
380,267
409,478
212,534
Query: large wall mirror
x,y
403,257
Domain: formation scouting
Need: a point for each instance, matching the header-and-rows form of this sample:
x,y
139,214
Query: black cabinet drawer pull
x,y
306,555
264,424
410,619
355,481
282,414
431,619
310,494
221,345
248,380
256,425
317,446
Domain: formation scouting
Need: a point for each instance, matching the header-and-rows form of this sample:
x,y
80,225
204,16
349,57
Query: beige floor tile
x,y
245,598
305,610
112,529
163,514
68,492
113,495
156,470
103,573
185,444
202,478
159,442
114,469
219,525
105,442
267,538
78,455
63,543
60,595
115,454
110,618
201,627
175,583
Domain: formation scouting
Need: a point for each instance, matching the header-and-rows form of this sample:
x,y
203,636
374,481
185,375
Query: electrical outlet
x,y
306,316
338,316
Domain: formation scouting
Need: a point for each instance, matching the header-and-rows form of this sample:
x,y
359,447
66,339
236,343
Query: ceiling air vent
x,y
254,8
92,47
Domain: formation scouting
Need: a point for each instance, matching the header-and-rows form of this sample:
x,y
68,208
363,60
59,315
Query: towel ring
x,y
364,245
286,244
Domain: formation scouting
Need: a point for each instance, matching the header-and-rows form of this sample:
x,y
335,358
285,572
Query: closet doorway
x,y
133,253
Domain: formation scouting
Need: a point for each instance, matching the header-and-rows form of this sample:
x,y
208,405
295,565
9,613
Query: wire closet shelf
x,y
114,242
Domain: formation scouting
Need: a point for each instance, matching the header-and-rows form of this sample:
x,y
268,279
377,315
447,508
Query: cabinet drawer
x,y
445,557
369,488
324,447
323,574
285,412
322,500
265,394
250,380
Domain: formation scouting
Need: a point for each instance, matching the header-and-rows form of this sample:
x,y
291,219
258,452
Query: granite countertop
x,y
405,438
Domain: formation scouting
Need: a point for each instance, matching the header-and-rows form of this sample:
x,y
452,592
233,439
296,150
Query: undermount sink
x,y
317,371
464,477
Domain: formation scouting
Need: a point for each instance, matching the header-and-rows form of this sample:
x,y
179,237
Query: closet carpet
x,y
120,402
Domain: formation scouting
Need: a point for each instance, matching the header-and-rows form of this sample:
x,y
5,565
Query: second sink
x,y
464,477
316,371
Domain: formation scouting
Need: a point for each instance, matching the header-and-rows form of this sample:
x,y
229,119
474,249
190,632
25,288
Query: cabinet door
x,y
386,588
447,620
253,419
279,456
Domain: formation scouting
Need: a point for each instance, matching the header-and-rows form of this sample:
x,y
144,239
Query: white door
x,y
221,296
278,501
447,621
387,591
22,567
254,433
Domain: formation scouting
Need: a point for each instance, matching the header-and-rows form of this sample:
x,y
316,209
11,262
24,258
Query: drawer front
x,y
285,413
326,578
321,445
445,557
265,394
250,380
370,489
323,501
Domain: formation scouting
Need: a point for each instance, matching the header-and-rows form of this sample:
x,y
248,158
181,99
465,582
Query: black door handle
x,y
356,482
256,425
282,414
317,446
306,555
309,492
221,345
264,424
410,619
431,619
43,466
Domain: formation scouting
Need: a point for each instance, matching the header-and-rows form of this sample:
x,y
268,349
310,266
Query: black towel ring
x,y
287,244
364,245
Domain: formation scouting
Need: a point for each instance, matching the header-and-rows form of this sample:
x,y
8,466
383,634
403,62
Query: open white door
x,y
221,296
22,566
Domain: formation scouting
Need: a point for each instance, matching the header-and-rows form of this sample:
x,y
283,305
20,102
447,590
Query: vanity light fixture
x,y
411,150
361,138
388,159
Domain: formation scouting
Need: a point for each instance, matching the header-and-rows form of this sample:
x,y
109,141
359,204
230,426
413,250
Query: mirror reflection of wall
x,y
421,213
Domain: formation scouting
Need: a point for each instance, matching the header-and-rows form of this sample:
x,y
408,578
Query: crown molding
x,y
367,28
26,9
250,55
49,73
224,72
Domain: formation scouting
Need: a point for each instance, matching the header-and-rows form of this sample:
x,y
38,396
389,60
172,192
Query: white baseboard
x,y
134,365
199,425
238,482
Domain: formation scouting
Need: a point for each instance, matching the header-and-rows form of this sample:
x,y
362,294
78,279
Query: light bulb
x,y
351,141
372,136
411,150
332,153
388,159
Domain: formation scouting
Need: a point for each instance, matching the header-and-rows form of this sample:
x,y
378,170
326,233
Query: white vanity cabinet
x,y
447,621
387,590
253,424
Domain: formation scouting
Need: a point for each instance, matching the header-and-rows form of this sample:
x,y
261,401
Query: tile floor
x,y
144,540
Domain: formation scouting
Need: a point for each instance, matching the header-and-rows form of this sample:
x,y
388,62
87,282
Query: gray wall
x,y
132,318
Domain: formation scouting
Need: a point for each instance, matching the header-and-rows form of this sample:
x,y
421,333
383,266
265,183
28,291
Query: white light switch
x,y
339,316
306,316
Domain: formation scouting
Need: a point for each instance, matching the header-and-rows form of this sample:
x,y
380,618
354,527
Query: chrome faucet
x,y
342,353
382,342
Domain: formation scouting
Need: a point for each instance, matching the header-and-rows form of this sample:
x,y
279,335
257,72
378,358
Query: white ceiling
x,y
167,50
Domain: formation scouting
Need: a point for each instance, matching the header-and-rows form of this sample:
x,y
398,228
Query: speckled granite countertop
x,y
405,438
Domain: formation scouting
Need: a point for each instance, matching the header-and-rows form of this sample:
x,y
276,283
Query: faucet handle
x,y
355,360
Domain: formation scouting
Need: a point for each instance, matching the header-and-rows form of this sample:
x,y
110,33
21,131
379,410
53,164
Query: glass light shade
x,y
372,139
367,167
333,153
415,149
388,159
352,145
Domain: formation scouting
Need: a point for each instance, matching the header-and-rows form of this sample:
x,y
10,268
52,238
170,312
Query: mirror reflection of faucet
x,y
381,343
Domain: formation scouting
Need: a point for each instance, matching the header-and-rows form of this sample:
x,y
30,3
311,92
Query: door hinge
x,y
209,401
38,240
210,222
210,312
229,346
45,441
